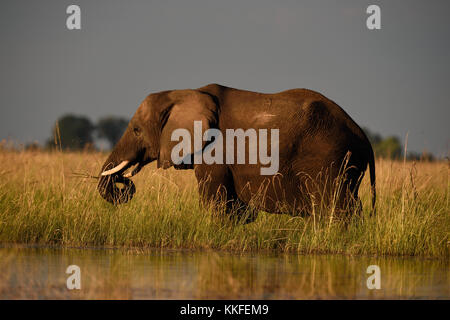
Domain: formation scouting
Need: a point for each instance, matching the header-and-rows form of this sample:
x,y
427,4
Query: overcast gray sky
x,y
393,81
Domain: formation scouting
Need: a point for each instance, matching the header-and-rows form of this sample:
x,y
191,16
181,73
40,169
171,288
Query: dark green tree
x,y
389,147
111,128
72,133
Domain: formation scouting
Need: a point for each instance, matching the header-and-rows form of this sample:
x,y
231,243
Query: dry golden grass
x,y
44,200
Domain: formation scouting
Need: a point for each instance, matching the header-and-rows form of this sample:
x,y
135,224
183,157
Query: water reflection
x,y
39,273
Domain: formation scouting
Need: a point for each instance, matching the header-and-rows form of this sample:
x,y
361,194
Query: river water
x,y
40,273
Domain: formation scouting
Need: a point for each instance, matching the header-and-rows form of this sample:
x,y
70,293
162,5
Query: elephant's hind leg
x,y
348,201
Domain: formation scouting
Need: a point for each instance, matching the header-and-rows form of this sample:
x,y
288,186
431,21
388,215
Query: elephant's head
x,y
148,138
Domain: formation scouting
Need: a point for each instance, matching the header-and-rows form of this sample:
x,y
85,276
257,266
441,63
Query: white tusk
x,y
116,169
133,172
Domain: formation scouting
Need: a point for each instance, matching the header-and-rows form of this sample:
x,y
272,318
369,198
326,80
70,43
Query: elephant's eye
x,y
137,131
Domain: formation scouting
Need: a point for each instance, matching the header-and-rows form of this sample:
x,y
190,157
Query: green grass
x,y
44,201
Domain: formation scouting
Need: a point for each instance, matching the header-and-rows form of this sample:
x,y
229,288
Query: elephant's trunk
x,y
113,186
116,189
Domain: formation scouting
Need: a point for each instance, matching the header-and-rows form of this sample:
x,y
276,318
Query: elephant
x,y
317,143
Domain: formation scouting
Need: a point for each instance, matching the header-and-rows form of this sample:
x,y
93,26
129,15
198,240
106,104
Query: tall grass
x,y
44,200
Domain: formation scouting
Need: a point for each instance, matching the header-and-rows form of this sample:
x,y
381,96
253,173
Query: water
x,y
39,273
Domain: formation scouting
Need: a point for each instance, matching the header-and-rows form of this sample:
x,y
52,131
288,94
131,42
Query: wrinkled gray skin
x,y
315,135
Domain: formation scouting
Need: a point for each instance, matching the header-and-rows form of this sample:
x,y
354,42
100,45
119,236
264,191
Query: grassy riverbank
x,y
43,200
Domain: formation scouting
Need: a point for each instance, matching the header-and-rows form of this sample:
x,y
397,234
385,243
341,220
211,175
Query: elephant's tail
x,y
372,178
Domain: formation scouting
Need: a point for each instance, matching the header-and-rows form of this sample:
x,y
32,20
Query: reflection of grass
x,y
40,274
31,273
42,201
318,277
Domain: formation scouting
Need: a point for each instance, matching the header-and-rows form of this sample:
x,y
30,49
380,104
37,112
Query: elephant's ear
x,y
189,107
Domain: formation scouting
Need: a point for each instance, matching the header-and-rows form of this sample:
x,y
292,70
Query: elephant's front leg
x,y
216,188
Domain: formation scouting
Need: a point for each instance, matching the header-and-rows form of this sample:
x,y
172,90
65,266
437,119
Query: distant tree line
x,y
72,132
391,148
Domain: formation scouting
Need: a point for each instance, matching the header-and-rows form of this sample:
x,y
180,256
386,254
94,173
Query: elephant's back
x,y
301,115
